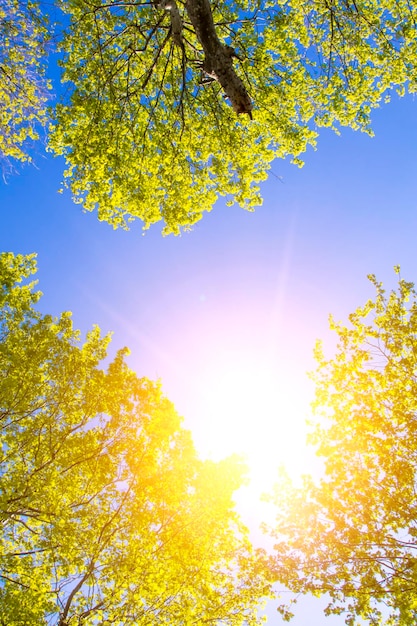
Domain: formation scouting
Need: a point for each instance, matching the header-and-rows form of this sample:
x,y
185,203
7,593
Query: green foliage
x,y
107,514
23,88
144,124
352,534
144,138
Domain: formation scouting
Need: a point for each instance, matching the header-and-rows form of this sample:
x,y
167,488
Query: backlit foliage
x,y
145,136
23,88
353,534
107,514
143,121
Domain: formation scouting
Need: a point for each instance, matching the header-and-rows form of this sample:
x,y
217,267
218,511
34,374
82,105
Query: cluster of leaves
x,y
147,135
143,137
146,138
107,514
352,534
23,88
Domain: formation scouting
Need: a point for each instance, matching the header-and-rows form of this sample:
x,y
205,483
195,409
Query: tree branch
x,y
218,62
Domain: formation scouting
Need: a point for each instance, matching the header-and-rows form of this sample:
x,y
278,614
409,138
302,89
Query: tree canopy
x,y
108,516
169,105
352,534
23,88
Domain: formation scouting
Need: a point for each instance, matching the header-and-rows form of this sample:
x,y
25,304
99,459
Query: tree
x,y
159,123
171,104
23,87
107,514
353,533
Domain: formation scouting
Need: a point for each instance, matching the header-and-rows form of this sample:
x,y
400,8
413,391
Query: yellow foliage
x,y
107,512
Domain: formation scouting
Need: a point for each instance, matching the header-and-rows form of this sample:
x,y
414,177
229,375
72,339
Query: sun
x,y
255,407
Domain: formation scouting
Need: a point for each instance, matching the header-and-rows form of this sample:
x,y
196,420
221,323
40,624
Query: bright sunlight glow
x,y
253,407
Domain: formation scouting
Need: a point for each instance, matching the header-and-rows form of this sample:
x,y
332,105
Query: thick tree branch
x,y
218,61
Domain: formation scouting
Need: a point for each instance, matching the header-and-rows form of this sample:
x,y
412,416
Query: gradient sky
x,y
247,289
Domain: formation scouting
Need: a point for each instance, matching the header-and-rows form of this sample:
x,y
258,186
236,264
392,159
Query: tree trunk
x,y
218,61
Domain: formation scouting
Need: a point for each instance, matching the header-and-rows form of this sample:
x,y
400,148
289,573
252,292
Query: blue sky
x,y
243,291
